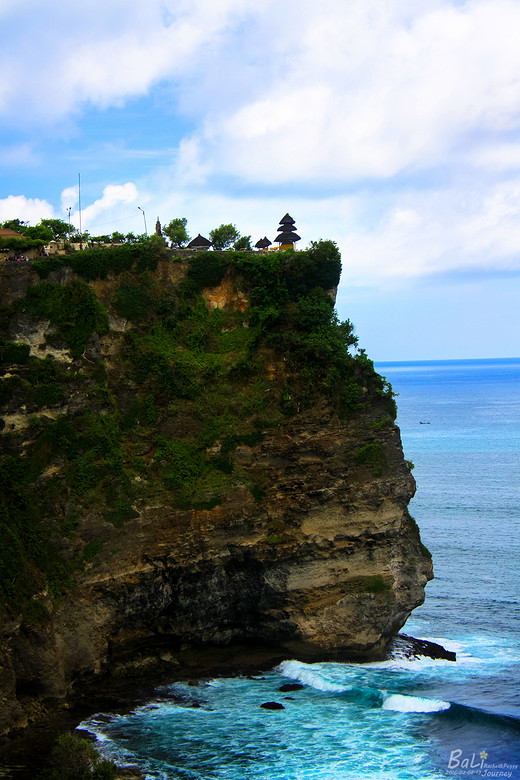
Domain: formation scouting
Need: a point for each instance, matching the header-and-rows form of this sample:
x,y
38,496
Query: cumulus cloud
x,y
30,210
498,157
106,210
391,127
69,198
286,92
370,92
436,232
98,52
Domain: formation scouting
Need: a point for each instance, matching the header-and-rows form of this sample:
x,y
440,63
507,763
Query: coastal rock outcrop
x,y
198,493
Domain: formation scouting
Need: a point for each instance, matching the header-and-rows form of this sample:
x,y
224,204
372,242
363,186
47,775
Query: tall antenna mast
x,y
79,204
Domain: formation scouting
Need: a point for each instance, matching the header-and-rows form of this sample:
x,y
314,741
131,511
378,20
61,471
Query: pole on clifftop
x,y
144,217
79,205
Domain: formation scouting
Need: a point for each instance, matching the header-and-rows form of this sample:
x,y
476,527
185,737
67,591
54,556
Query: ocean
x,y
400,719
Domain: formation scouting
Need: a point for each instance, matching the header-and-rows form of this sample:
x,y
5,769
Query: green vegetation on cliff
x,y
159,410
73,758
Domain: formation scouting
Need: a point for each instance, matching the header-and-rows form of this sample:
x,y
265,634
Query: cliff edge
x,y
194,456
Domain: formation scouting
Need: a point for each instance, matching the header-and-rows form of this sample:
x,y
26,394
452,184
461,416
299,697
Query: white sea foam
x,y
416,665
309,675
399,703
472,651
94,725
105,746
100,737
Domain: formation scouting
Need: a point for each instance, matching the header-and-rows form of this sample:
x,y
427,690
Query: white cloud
x,y
386,240
69,198
498,157
329,101
436,232
30,210
371,92
101,52
493,231
105,211
189,168
287,91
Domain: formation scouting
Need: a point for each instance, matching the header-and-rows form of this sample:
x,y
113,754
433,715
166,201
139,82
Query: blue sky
x,y
391,127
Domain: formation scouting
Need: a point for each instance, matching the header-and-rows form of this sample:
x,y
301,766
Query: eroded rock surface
x,y
325,563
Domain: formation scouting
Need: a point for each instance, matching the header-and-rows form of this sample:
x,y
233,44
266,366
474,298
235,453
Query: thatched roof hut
x,y
8,233
263,243
199,242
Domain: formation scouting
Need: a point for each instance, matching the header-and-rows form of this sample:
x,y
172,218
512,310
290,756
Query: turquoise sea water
x,y
401,719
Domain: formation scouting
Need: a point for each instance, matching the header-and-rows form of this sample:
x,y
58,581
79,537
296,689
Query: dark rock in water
x,y
101,718
129,773
289,698
403,646
290,687
250,677
272,705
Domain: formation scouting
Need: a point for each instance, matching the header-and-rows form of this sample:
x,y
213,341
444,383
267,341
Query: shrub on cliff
x,y
14,353
98,263
373,456
73,758
72,309
27,535
132,302
206,269
319,266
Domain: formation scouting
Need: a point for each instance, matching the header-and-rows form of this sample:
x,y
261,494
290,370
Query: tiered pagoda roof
x,y
287,231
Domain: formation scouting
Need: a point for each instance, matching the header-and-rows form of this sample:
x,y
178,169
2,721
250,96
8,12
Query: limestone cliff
x,y
194,456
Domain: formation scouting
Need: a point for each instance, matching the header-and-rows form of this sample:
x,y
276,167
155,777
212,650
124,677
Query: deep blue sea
x,y
401,719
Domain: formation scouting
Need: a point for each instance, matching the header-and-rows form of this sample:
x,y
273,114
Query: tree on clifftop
x,y
244,242
58,227
176,231
224,236
14,224
45,230
28,237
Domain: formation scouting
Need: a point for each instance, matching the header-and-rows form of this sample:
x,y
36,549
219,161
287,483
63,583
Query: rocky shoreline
x,y
119,694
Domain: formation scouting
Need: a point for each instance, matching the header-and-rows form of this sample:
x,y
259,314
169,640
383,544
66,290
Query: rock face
x,y
339,578
325,563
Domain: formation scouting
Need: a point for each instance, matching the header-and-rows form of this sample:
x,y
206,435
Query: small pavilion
x,y
8,233
199,242
263,243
